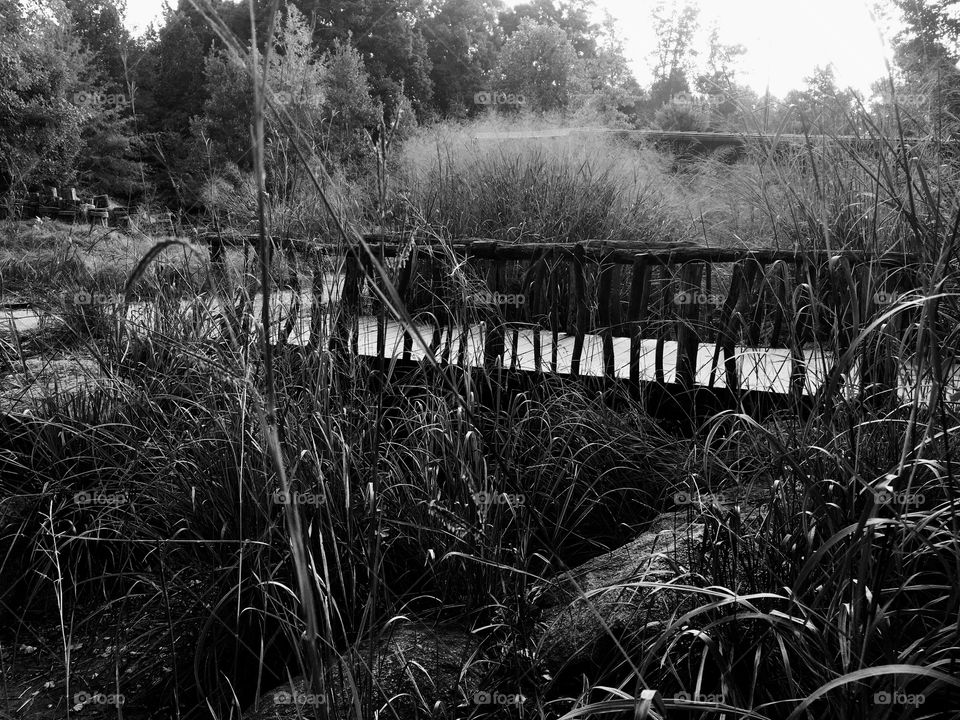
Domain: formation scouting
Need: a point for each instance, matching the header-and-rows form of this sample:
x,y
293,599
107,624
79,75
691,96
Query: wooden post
x,y
405,283
758,297
803,315
553,278
688,337
636,314
438,310
778,273
581,312
538,302
616,312
878,370
317,309
726,342
493,345
667,306
604,292
347,314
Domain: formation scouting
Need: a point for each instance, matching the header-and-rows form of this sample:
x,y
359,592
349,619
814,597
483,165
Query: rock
x,y
573,633
415,666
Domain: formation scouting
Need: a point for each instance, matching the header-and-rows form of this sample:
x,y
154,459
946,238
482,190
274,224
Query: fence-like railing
x,y
688,294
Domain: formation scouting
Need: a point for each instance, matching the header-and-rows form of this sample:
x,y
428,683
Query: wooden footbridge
x,y
687,318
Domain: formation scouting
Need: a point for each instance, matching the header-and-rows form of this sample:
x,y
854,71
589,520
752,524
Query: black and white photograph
x,y
479,360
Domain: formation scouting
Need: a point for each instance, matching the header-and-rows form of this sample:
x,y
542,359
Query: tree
x,y
614,93
177,89
571,16
387,35
675,26
929,36
539,62
108,160
821,106
926,52
720,73
39,126
349,107
327,99
462,44
98,24
718,80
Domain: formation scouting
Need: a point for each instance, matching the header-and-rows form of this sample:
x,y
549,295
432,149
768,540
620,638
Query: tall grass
x,y
804,599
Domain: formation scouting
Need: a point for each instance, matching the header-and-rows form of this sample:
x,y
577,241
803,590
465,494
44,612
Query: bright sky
x,y
784,40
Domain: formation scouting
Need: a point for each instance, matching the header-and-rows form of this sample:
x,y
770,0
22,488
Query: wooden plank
x,y
604,290
636,314
688,336
580,311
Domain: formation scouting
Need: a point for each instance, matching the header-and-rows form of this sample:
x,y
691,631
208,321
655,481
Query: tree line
x,y
83,102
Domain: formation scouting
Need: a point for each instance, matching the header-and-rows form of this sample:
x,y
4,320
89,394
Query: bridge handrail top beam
x,y
617,251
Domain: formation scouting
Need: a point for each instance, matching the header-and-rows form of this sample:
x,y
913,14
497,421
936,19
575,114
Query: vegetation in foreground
x,y
176,586
146,553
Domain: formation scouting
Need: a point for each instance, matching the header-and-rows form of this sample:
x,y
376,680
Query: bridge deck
x,y
760,369
766,369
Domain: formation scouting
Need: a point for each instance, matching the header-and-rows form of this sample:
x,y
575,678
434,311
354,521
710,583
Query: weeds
x,y
248,512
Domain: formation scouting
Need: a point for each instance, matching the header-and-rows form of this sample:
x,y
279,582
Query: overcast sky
x,y
784,40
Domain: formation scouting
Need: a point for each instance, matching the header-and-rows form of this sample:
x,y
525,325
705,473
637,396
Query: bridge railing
x,y
688,294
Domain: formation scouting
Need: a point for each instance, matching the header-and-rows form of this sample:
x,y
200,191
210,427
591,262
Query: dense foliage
x,y
160,116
